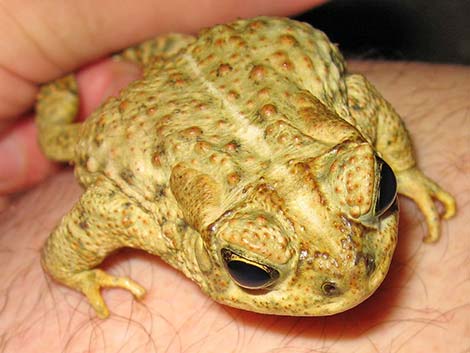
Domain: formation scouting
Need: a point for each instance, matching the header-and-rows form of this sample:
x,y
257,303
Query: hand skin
x,y
423,305
43,40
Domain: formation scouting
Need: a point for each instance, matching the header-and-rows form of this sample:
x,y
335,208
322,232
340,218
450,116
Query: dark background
x,y
423,30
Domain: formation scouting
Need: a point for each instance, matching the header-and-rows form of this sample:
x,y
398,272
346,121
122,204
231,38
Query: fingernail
x,y
11,163
123,74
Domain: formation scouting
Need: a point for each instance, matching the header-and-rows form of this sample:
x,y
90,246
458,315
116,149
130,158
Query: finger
x,y
21,162
101,80
45,39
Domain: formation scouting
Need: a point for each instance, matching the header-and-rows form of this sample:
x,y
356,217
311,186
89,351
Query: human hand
x,y
44,40
422,306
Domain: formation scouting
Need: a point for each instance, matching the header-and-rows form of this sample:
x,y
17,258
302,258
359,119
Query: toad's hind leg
x,y
381,125
102,221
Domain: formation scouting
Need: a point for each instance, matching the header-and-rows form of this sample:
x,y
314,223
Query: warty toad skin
x,y
249,159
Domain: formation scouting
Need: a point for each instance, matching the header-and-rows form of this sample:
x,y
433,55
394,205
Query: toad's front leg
x,y
381,125
102,221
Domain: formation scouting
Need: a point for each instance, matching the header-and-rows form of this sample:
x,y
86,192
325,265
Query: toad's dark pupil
x,y
387,189
248,276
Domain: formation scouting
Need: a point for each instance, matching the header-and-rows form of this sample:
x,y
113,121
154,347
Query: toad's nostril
x,y
330,289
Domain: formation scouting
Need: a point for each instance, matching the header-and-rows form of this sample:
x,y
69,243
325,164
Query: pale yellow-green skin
x,y
251,137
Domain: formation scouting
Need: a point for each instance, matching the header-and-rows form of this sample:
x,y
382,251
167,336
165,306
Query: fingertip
x,y
102,79
22,164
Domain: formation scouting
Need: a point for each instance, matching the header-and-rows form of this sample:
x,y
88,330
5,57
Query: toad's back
x,y
230,102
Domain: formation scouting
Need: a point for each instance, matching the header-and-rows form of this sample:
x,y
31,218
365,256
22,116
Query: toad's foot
x,y
90,282
415,185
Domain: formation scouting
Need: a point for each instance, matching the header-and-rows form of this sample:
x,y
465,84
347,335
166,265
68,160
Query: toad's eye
x,y
387,189
248,274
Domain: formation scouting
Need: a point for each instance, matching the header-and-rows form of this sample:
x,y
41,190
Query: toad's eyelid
x,y
246,273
